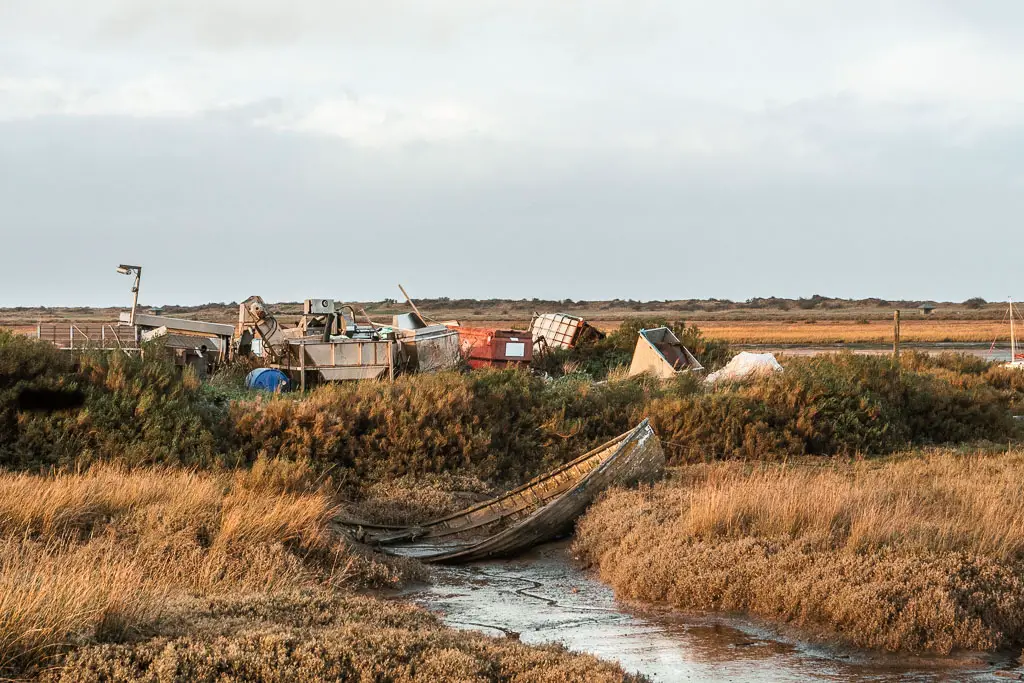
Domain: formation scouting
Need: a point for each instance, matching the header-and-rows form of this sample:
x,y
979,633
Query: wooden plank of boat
x,y
626,460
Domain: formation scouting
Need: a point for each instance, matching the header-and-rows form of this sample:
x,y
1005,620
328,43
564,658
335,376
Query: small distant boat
x,y
1016,359
540,510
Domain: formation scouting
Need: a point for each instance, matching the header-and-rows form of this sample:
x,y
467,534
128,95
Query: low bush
x,y
501,426
832,405
132,410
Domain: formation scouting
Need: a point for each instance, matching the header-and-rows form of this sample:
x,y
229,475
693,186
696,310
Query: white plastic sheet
x,y
745,364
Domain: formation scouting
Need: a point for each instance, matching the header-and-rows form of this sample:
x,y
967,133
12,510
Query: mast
x,y
1013,338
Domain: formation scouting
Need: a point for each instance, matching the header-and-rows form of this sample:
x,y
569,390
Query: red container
x,y
484,347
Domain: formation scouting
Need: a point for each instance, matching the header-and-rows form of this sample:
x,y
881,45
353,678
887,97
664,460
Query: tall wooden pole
x,y
896,335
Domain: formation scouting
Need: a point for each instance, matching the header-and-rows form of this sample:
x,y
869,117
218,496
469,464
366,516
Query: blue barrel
x,y
267,379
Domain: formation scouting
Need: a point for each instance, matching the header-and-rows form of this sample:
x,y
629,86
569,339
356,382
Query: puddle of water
x,y
544,598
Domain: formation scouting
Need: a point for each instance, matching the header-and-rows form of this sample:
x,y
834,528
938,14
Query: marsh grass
x,y
97,556
162,574
923,553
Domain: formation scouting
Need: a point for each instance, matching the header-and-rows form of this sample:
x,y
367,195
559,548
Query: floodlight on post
x,y
128,270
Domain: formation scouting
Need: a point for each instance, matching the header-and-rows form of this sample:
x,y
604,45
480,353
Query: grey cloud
x,y
217,211
247,112
294,149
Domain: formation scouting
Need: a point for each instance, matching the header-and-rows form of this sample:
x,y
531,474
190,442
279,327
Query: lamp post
x,y
128,270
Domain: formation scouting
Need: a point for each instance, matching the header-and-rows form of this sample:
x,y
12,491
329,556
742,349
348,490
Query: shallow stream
x,y
543,597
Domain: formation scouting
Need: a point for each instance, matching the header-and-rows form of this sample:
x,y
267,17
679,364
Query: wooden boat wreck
x,y
540,510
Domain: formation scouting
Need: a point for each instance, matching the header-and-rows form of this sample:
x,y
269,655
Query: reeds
x,y
921,554
163,574
97,555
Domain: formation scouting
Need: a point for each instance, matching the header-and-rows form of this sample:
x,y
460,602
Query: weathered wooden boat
x,y
540,510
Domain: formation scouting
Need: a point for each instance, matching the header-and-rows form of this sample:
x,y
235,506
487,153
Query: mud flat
x,y
543,597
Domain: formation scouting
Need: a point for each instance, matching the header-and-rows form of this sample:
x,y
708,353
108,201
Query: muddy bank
x,y
543,598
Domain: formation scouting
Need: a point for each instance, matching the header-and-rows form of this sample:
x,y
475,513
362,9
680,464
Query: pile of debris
x,y
333,342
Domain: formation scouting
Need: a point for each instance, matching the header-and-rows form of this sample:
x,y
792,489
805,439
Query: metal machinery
x,y
326,346
191,343
426,348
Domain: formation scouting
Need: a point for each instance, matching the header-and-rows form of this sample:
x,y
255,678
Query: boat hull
x,y
635,457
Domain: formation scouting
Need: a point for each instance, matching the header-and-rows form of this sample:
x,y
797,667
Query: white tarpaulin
x,y
746,364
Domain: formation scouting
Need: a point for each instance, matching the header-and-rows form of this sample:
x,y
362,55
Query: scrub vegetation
x,y
921,553
498,426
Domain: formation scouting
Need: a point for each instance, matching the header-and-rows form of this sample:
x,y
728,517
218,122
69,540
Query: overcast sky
x,y
598,149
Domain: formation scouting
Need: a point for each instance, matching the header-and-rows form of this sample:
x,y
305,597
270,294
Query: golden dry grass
x,y
853,332
86,555
919,554
173,575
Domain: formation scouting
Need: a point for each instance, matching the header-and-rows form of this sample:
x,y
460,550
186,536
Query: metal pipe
x,y
135,293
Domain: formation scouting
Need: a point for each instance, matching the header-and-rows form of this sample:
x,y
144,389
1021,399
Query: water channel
x,y
544,597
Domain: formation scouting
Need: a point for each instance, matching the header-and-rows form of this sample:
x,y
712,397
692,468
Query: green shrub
x,y
499,425
963,363
135,411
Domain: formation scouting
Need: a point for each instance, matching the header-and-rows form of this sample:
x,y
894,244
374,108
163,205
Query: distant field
x,y
869,332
